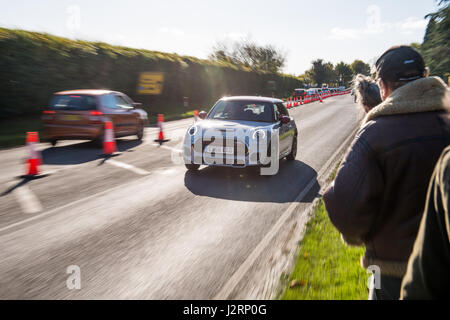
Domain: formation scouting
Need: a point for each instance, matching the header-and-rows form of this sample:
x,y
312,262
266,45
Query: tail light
x,y
96,113
48,112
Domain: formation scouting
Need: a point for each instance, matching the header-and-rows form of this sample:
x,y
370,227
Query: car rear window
x,y
73,102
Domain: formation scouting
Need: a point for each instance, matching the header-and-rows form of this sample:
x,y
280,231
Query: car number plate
x,y
70,117
219,149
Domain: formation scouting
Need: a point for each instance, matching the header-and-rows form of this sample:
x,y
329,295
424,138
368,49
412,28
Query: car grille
x,y
235,143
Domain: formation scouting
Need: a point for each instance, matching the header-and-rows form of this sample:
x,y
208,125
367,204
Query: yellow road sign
x,y
150,83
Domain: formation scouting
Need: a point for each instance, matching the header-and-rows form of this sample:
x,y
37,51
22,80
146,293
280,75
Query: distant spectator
x,y
379,193
366,91
427,276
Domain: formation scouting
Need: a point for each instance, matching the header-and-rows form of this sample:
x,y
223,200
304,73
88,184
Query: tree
x,y
435,47
416,46
321,72
358,66
344,74
249,54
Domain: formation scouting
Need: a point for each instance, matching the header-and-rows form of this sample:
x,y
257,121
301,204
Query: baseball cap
x,y
400,63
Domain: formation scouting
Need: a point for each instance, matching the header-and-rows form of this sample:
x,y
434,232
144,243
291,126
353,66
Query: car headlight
x,y
192,130
259,133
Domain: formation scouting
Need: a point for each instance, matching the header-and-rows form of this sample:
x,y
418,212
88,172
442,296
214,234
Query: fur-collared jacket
x,y
379,193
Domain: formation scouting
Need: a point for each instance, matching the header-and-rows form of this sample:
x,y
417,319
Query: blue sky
x,y
305,30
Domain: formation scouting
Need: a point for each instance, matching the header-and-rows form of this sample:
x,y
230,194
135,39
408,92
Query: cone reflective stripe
x,y
35,159
109,142
160,122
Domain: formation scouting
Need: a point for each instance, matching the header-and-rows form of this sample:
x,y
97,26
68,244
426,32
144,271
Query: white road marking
x,y
127,166
27,200
167,147
231,284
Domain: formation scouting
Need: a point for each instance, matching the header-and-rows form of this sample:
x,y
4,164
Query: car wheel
x,y
192,166
140,132
291,156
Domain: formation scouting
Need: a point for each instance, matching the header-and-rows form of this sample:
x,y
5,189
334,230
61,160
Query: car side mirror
x,y
285,119
202,114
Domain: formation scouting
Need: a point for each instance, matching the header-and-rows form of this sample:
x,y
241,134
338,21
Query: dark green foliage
x,y
321,72
34,65
344,74
360,67
436,43
341,74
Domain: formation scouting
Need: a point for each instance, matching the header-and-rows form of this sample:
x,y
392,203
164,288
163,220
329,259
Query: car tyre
x,y
192,166
291,156
140,132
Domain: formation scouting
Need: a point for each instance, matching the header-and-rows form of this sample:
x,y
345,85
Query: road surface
x,y
139,226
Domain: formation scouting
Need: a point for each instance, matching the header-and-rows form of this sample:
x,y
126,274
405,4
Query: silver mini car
x,y
240,132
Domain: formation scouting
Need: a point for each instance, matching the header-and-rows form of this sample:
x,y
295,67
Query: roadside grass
x,y
13,131
326,268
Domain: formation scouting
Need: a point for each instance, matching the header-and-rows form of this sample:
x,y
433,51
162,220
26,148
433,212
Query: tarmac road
x,y
138,225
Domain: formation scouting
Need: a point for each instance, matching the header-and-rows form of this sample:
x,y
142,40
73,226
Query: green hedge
x,y
34,65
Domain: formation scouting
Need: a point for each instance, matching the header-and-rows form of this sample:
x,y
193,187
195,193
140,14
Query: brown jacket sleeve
x,y
427,276
352,201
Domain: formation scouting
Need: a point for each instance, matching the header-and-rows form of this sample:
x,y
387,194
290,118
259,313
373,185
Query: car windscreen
x,y
73,102
243,110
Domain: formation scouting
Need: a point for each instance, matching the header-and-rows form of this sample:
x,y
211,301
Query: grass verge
x,y
13,131
326,268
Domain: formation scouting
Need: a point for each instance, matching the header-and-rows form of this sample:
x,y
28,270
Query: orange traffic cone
x,y
195,115
35,159
109,142
161,139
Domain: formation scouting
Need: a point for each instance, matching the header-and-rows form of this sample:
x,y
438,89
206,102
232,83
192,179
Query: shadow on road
x,y
22,182
81,152
248,185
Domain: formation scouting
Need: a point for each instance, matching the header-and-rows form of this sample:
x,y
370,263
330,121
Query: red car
x,y
81,114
